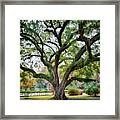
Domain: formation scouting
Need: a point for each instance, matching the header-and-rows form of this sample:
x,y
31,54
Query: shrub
x,y
44,91
34,91
92,88
66,91
74,92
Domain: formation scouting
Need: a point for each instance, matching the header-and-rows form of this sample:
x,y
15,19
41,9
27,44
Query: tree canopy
x,y
60,51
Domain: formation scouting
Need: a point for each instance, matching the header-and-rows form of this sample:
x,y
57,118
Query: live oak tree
x,y
64,48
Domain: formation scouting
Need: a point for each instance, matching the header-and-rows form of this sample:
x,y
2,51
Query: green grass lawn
x,y
82,97
76,97
37,97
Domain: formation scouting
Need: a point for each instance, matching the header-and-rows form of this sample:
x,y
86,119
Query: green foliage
x,y
74,92
40,48
92,88
72,85
25,76
36,28
26,81
89,71
34,91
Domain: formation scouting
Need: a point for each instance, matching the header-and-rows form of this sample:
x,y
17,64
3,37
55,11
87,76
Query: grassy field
x,y
82,97
37,98
76,97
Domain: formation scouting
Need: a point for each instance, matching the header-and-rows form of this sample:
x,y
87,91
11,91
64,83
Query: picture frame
x,y
70,2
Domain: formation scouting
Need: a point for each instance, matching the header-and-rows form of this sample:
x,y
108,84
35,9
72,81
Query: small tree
x,y
92,88
26,81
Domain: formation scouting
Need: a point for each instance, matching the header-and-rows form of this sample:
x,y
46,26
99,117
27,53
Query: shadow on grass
x,y
84,98
77,97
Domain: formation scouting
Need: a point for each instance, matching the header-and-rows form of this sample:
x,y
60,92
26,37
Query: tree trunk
x,y
95,95
60,94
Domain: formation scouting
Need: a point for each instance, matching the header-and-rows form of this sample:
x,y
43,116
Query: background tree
x,y
62,49
92,88
26,81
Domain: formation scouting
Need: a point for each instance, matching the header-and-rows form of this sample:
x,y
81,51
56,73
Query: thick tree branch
x,y
42,56
81,63
31,30
37,75
30,56
83,49
61,31
78,79
32,40
63,27
53,30
57,57
64,59
75,66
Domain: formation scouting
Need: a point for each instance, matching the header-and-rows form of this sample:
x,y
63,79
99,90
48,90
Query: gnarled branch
x,y
83,49
61,31
37,75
